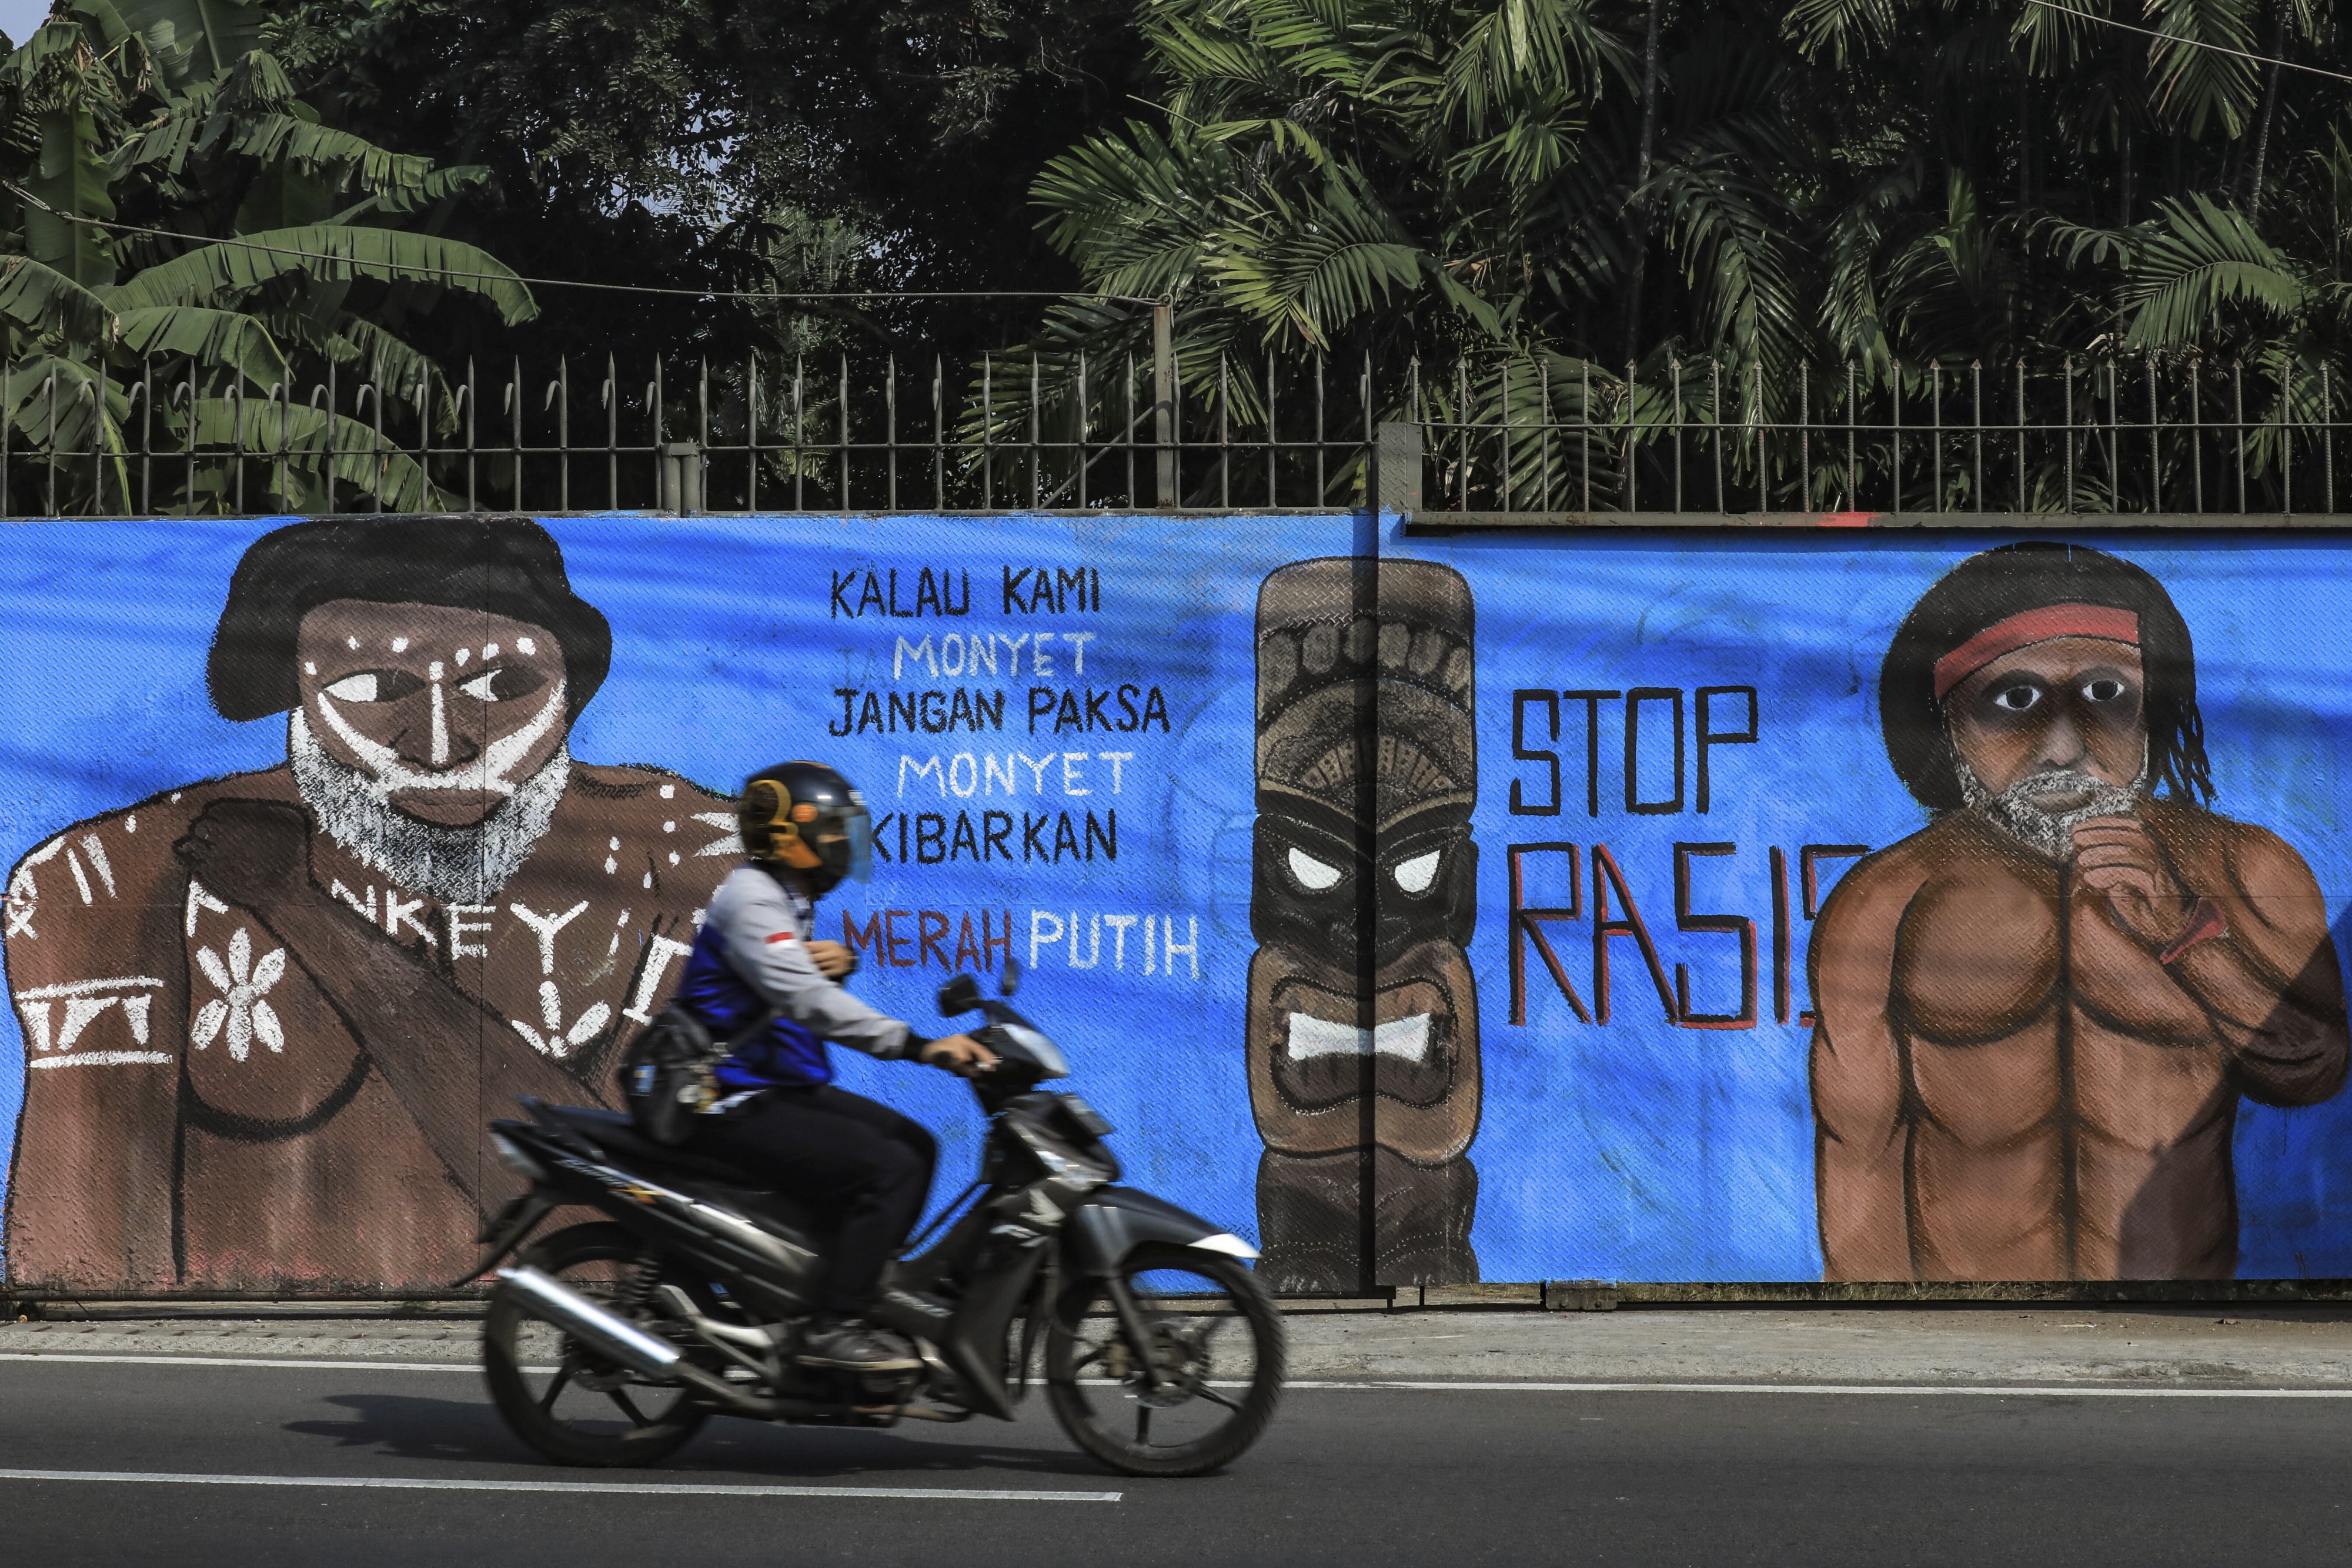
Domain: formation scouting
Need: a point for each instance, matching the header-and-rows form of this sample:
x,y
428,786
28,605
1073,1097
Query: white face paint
x,y
453,865
487,772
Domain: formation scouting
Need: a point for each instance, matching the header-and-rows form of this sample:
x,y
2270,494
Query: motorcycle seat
x,y
791,1217
612,1131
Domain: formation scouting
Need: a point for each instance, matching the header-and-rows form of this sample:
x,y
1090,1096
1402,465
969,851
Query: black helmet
x,y
805,816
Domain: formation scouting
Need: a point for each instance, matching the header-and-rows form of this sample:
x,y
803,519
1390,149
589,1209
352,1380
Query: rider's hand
x,y
959,1054
832,959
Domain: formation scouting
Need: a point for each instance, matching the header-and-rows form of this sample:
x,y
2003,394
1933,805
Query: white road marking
x,y
1432,1385
636,1488
249,1361
1981,1391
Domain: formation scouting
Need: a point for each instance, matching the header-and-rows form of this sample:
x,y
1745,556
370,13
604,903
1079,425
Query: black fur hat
x,y
501,566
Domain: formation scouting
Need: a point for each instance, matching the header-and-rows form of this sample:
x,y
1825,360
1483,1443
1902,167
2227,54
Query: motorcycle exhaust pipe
x,y
617,1337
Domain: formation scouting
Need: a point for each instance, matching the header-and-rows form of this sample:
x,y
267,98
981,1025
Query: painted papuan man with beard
x,y
266,1016
1363,1019
2038,1013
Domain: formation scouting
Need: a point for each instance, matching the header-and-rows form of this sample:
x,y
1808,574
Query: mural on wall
x,y
330,838
1362,1042
2038,1013
265,1014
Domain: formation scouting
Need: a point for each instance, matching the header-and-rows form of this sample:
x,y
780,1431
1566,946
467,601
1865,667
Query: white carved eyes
x,y
482,687
1312,874
359,688
1415,874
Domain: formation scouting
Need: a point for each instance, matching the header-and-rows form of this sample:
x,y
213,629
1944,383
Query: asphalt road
x,y
1356,1476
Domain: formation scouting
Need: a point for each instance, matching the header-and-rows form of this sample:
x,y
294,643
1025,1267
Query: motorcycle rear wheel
x,y
583,1410
1217,1342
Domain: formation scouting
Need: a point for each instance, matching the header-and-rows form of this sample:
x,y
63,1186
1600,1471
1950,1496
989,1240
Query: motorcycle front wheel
x,y
1215,1344
560,1395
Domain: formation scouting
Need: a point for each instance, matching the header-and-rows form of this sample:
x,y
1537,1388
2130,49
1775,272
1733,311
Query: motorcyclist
x,y
757,979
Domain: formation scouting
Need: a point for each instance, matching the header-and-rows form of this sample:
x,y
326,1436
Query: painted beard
x,y
2018,810
447,865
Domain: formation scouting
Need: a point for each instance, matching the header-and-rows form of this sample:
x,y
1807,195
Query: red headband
x,y
2032,626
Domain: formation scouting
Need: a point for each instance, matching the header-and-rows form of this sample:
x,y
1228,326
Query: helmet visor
x,y
859,827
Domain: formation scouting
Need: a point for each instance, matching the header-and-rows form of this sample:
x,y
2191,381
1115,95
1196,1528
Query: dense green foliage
x,y
729,144
1609,198
1584,182
182,116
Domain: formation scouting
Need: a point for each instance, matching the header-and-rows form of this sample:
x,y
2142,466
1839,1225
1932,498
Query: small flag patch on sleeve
x,y
780,936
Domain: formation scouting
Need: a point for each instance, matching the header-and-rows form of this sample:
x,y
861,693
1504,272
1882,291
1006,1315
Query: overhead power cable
x,y
427,274
2192,43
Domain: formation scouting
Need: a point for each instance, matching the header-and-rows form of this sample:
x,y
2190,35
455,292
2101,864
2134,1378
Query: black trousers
x,y
861,1162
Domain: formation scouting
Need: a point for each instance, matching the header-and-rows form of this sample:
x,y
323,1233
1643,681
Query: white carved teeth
x,y
1405,1038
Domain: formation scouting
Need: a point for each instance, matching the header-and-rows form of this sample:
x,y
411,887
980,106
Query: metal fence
x,y
1525,440
873,433
2136,438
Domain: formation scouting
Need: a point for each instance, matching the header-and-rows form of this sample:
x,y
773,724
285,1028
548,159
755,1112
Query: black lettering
x,y
882,844
1592,700
1809,864
869,713
1779,934
1606,877
1032,846
849,695
963,843
1127,720
873,595
842,579
1728,924
960,712
1067,716
994,828
1041,703
1520,701
1095,717
926,591
982,703
1528,923
930,839
1044,592
903,707
901,614
1013,581
1633,701
1155,704
934,707
1064,833
947,602
1106,837
1097,578
1065,580
1708,735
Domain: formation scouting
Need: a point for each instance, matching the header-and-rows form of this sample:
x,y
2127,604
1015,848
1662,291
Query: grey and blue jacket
x,y
750,960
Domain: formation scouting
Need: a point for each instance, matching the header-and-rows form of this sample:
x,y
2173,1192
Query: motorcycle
x,y
611,1343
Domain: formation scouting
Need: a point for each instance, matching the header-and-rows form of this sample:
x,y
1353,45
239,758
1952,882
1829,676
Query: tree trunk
x,y
2270,108
1642,178
2123,207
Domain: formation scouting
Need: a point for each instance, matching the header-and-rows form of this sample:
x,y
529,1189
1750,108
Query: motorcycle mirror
x,y
959,995
1010,980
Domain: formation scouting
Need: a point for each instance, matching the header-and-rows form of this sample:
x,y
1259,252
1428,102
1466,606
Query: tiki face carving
x,y
1364,890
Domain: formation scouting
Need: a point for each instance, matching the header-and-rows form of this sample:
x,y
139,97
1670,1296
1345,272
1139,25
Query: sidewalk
x,y
2309,1347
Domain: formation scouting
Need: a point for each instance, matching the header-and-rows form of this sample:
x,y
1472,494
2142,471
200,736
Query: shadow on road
x,y
412,1427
